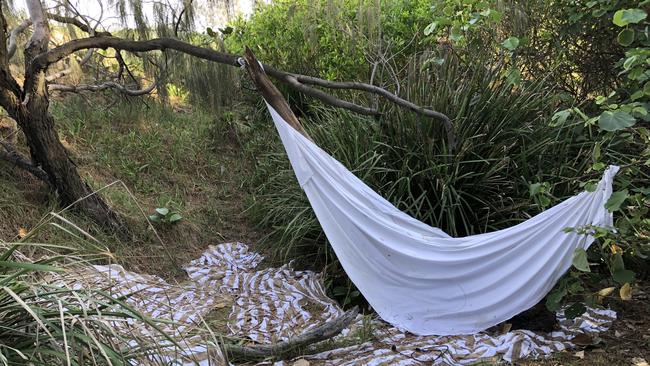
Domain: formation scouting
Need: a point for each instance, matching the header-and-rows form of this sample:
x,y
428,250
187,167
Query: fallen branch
x,y
284,348
270,93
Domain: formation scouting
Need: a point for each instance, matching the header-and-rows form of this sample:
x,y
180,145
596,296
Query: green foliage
x,y
580,261
481,187
520,94
165,216
511,43
624,17
622,116
334,39
541,193
456,20
614,121
42,323
616,200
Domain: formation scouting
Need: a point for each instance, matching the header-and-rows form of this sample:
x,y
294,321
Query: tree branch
x,y
12,43
280,349
295,81
270,93
11,155
78,23
13,37
103,86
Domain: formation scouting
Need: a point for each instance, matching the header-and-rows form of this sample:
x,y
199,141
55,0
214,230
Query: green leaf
x,y
430,28
598,166
646,88
623,276
596,153
162,211
626,37
590,187
554,300
560,117
513,77
617,263
174,217
580,260
154,218
624,17
535,189
614,121
455,34
640,110
511,43
630,61
544,201
575,288
575,310
616,200
29,266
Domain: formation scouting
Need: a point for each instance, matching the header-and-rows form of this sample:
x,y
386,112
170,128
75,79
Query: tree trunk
x,y
48,153
32,115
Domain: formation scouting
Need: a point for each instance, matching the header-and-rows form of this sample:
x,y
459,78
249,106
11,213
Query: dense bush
x,y
332,39
476,61
506,144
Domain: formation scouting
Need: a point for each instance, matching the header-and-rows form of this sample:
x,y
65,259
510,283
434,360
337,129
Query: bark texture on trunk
x,y
29,107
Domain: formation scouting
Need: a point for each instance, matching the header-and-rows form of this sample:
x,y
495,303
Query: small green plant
x,y
540,192
164,215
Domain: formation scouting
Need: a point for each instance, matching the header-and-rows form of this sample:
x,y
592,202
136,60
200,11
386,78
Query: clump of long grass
x,y
45,320
44,324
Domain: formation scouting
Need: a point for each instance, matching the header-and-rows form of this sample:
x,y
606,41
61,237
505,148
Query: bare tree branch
x,y
12,42
79,24
68,70
13,37
295,81
270,93
103,86
11,155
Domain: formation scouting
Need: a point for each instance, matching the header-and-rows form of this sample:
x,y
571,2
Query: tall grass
x,y
42,323
53,310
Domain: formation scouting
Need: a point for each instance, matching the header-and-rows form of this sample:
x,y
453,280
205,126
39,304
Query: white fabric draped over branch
x,y
419,278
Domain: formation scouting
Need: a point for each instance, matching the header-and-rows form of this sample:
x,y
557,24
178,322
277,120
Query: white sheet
x,y
420,279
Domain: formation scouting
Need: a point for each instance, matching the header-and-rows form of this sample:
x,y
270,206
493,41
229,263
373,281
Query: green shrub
x,y
506,144
499,70
337,40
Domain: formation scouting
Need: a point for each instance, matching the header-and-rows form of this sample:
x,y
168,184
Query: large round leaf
x,y
626,37
511,43
614,121
624,17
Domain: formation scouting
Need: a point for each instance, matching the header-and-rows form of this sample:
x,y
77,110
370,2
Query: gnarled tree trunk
x,y
29,107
